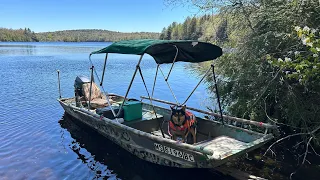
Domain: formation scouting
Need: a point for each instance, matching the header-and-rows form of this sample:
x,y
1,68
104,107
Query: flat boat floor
x,y
221,145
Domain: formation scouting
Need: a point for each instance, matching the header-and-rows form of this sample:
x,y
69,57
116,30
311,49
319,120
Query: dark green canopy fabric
x,y
164,51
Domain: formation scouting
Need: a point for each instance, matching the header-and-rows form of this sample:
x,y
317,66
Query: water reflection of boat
x,y
142,128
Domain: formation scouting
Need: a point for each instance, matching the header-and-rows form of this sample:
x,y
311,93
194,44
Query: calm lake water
x,y
37,141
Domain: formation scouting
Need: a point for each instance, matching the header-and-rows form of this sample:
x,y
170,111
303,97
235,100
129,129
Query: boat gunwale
x,y
258,124
255,123
194,148
219,123
203,119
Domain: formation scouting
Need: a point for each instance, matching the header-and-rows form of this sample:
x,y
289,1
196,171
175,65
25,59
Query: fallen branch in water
x,y
304,157
308,144
307,150
314,151
292,135
279,140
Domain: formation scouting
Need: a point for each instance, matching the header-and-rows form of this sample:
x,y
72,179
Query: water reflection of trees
x,y
18,49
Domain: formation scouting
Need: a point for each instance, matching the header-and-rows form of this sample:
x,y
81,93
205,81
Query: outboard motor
x,y
79,81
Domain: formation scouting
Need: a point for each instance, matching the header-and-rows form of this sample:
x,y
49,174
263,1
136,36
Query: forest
x,y
82,35
23,35
270,70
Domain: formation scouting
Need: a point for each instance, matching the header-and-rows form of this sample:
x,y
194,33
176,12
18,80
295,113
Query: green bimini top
x,y
164,51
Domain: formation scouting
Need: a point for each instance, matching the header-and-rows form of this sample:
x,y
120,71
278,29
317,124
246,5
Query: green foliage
x,y
221,34
162,33
85,35
17,35
217,29
93,35
253,33
191,28
256,89
303,65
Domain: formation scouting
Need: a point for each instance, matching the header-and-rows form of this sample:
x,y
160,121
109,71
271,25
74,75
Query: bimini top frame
x,y
163,51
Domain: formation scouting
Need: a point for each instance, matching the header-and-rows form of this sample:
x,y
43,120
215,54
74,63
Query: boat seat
x,y
99,103
98,99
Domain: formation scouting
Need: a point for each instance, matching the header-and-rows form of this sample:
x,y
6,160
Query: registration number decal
x,y
174,152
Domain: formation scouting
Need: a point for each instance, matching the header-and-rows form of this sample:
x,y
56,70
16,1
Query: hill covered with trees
x,y
93,35
82,35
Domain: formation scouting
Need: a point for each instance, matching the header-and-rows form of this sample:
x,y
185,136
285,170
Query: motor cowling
x,y
78,82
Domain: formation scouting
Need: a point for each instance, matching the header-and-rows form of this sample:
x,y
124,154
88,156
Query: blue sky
x,y
115,15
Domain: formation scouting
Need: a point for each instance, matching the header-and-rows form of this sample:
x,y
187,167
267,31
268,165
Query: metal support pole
x,y
174,60
197,86
105,93
104,68
134,75
155,113
89,105
59,83
218,97
169,86
155,79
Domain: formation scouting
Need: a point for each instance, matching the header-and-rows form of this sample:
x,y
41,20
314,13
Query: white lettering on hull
x,y
174,152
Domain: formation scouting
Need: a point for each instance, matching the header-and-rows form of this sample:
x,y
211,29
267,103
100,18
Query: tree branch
x,y
307,150
279,140
314,151
292,135
263,91
247,15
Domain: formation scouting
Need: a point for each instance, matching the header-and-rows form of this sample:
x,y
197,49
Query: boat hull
x,y
143,147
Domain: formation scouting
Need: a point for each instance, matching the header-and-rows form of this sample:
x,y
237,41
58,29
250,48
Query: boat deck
x,y
222,146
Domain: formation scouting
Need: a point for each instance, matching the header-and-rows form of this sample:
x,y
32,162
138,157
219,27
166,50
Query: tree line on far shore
x,y
209,28
23,35
81,35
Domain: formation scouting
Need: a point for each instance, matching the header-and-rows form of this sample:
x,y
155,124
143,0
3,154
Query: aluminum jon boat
x,y
141,126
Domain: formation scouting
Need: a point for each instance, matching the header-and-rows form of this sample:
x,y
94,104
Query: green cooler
x,y
132,110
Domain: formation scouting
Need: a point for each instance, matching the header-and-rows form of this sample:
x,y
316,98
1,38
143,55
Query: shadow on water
x,y
107,160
